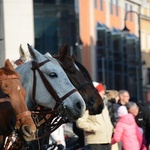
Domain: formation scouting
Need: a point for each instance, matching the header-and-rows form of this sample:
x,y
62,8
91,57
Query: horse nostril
x,y
26,128
78,105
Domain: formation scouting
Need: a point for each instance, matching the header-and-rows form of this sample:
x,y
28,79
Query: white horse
x,y
59,90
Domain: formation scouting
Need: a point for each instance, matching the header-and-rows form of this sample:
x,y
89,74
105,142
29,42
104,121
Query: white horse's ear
x,y
35,55
21,51
48,55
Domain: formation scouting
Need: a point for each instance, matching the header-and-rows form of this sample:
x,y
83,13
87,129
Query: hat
x,y
122,110
98,86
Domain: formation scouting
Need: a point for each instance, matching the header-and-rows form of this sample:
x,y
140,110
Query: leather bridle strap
x,y
23,114
48,86
4,100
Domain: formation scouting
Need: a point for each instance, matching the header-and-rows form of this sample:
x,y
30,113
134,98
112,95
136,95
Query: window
x,y
101,5
131,13
143,39
148,75
149,11
111,6
95,4
126,8
117,7
148,41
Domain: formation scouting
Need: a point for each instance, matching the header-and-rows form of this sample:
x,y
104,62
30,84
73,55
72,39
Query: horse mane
x,y
83,70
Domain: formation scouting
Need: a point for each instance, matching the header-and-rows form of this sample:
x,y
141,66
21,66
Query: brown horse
x,y
81,81
11,85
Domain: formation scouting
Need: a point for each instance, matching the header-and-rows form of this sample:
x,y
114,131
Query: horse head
x,y
93,100
11,85
47,85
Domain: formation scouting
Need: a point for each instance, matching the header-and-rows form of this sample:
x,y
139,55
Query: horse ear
x,y
35,54
21,51
8,64
74,57
63,52
48,55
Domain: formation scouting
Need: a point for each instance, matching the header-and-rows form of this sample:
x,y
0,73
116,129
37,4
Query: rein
x,y
50,121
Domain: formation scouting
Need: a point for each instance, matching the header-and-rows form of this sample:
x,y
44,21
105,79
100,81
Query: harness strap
x,y
4,100
23,114
18,62
59,123
48,86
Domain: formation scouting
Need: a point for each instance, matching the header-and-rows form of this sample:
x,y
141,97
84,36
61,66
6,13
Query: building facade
x,y
113,58
110,56
16,27
145,46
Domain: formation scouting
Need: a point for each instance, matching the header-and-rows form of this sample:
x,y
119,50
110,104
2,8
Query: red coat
x,y
128,133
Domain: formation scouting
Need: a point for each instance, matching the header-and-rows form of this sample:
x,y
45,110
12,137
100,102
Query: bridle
x,y
51,119
50,89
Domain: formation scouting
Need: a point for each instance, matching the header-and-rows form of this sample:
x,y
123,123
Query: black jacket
x,y
143,120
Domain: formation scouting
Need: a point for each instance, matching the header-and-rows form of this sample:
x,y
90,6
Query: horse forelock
x,y
6,73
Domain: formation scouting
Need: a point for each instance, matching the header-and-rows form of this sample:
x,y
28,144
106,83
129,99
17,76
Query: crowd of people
x,y
122,125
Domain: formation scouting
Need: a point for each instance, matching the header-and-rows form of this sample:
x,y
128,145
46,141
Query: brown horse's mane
x,y
6,73
83,70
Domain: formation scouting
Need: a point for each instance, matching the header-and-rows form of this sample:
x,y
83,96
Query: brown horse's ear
x,y
8,64
63,52
74,57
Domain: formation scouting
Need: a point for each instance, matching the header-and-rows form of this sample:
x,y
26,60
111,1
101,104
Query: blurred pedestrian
x,y
142,117
97,128
127,131
112,98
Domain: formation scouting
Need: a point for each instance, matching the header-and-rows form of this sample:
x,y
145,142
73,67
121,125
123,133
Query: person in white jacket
x,y
98,129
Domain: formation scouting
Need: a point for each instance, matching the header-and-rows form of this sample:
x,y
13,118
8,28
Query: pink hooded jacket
x,y
128,133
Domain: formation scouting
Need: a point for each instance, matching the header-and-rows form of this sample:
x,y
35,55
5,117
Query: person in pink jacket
x,y
127,131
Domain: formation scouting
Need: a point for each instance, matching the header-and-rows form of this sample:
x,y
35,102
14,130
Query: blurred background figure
x,y
57,139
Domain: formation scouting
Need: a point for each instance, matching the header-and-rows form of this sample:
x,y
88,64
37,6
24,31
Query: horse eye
x,y
72,71
53,74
